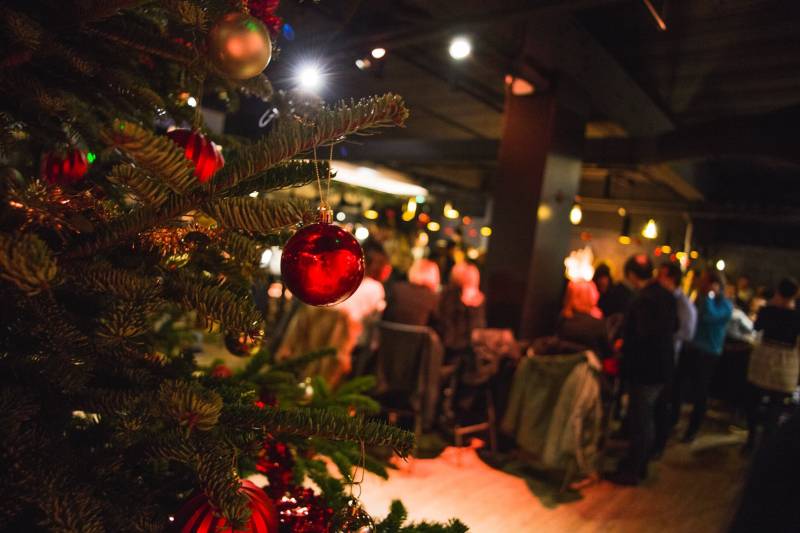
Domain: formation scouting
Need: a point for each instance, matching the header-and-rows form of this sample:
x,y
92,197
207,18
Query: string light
x,y
694,254
666,249
433,226
721,265
624,239
449,212
363,64
191,101
473,253
378,53
370,214
460,48
340,216
486,231
622,212
650,230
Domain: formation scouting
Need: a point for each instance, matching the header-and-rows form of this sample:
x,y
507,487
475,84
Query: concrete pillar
x,y
537,179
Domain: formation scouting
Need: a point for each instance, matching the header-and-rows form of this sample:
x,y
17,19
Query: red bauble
x,y
65,169
322,264
202,152
198,516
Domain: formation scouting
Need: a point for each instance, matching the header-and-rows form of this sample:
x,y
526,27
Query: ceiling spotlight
x,y
309,78
378,53
460,48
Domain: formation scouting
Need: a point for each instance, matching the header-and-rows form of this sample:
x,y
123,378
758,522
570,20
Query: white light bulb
x,y
340,216
266,257
309,78
460,48
576,214
362,233
191,101
721,265
378,53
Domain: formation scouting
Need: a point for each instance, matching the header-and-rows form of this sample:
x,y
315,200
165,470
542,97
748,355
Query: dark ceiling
x,y
681,110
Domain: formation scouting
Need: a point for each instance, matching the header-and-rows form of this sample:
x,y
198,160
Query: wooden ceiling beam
x,y
762,136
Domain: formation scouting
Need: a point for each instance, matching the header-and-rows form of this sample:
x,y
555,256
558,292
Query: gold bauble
x,y
239,46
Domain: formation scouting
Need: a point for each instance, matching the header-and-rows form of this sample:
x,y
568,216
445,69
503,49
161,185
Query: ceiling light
x,y
721,265
576,214
433,226
378,53
486,231
460,48
449,212
191,101
694,254
650,230
371,214
309,77
624,239
377,179
363,64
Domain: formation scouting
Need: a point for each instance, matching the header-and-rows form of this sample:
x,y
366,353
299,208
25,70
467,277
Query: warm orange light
x,y
433,226
467,220
370,214
666,249
424,218
486,231
624,239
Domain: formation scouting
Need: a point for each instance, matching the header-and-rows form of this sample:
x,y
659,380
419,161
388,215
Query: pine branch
x,y
243,250
289,174
258,86
257,215
137,42
26,261
319,423
158,155
295,365
215,304
144,188
290,137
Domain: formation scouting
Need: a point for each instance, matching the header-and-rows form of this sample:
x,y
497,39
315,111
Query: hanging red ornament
x,y
199,516
239,46
243,344
66,168
202,152
265,11
322,264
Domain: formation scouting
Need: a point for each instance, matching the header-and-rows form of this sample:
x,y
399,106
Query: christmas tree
x,y
114,232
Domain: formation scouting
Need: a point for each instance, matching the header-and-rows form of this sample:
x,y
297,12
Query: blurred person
x,y
462,308
582,321
415,302
762,296
775,362
699,360
743,293
614,297
365,306
669,277
647,363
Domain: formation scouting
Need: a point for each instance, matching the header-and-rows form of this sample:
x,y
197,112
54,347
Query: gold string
x,y
357,480
322,202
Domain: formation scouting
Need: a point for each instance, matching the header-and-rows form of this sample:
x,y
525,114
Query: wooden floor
x,y
693,489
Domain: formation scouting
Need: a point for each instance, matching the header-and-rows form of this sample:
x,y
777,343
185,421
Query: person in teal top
x,y
700,359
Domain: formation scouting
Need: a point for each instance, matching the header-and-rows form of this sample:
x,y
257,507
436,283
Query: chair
x,y
407,365
491,348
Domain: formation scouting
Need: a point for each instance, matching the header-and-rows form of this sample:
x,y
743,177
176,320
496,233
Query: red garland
x,y
264,10
300,510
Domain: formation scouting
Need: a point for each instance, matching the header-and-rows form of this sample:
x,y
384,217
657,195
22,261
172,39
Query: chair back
x,y
490,347
407,366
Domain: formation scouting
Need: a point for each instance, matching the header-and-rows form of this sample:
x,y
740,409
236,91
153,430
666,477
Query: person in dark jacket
x,y
415,302
615,298
462,308
647,363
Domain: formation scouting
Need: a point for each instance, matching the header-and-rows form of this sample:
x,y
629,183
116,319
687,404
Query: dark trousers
x,y
764,410
641,422
663,417
695,372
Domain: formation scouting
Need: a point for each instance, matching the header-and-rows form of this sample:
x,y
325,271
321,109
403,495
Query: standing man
x,y
669,277
647,363
701,357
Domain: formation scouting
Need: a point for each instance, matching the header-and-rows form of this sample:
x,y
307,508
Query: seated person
x,y
581,320
415,302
